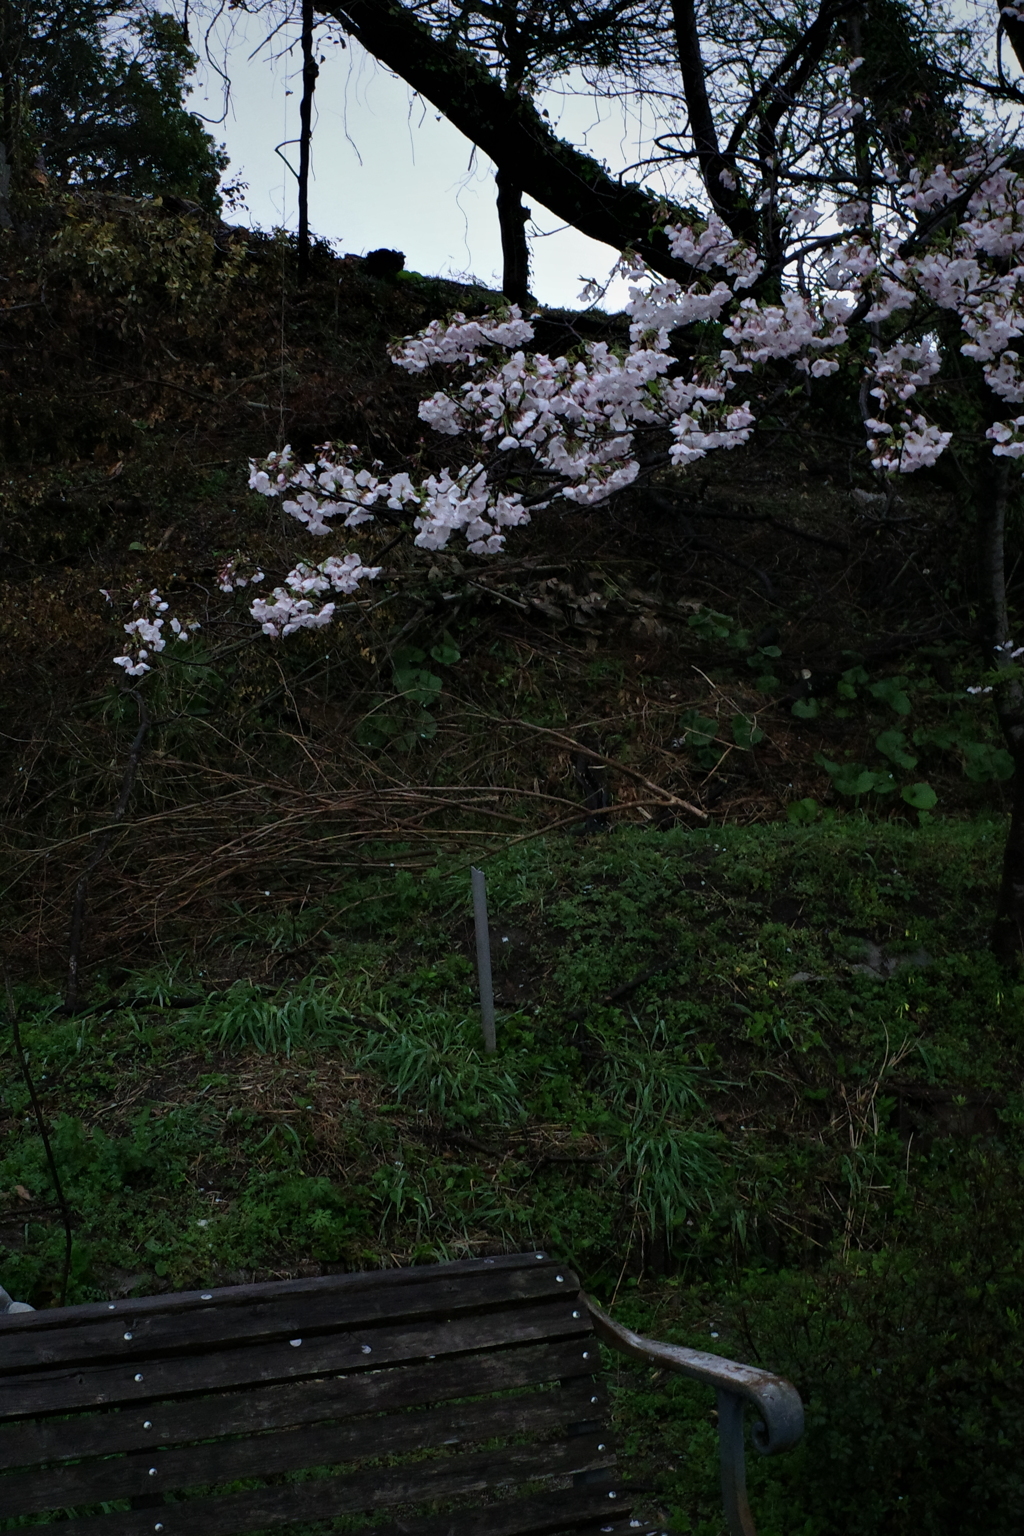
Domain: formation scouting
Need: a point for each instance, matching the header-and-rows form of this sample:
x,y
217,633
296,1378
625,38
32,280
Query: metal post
x,y
483,958
731,1458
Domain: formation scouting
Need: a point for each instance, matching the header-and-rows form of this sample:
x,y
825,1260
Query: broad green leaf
x,y
699,730
446,653
942,736
745,733
806,709
983,762
921,796
854,779
710,625
890,691
893,745
419,686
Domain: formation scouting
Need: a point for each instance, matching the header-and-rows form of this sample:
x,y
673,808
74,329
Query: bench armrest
x,y
781,1413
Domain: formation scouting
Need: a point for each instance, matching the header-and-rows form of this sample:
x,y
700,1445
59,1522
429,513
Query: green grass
x,y
763,1139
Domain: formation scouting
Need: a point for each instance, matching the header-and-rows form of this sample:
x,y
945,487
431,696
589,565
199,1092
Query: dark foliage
x,y
101,101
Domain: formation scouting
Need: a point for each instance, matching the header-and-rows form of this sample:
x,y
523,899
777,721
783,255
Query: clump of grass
x,y
433,1062
671,1165
246,1018
672,1174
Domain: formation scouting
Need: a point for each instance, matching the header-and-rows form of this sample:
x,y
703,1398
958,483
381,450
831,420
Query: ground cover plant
x,y
761,1085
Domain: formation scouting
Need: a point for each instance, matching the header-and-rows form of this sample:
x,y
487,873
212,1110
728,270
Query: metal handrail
x,y
777,1402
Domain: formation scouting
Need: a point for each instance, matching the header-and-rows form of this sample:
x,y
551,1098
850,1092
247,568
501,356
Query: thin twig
x,y
44,1135
665,796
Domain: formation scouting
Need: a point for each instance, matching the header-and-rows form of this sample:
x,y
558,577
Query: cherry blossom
x,y
145,633
233,574
291,608
1007,438
534,429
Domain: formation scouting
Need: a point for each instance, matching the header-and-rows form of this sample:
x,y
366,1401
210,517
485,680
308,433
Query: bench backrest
x,y
462,1398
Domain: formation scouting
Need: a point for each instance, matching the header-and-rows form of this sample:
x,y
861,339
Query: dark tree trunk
x,y
512,132
718,171
1008,929
309,74
1014,30
6,221
515,251
10,88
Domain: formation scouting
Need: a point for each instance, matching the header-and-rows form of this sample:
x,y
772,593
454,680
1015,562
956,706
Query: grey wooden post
x,y
483,958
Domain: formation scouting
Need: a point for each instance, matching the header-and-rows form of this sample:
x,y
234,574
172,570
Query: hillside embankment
x,y
758,1076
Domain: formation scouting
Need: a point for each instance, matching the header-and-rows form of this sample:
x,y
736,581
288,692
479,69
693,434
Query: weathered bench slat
x,y
137,1380
267,1455
384,1282
580,1511
125,1334
381,1488
286,1407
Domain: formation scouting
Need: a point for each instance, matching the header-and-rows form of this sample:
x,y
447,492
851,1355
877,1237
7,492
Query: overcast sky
x,y
387,171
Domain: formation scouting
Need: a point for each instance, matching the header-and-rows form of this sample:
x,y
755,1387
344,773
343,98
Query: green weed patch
x,y
762,1086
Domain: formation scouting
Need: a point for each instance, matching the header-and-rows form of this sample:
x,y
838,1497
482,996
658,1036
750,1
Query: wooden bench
x,y
453,1400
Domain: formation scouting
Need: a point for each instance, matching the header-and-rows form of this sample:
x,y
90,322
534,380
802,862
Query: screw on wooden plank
x,y
483,958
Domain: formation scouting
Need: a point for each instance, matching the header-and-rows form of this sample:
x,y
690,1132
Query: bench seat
x,y
459,1399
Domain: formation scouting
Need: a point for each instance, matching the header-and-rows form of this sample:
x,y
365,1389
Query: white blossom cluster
x,y
537,427
1006,653
973,267
568,426
331,488
795,330
462,341
713,248
234,574
846,109
146,636
571,422
295,605
1007,438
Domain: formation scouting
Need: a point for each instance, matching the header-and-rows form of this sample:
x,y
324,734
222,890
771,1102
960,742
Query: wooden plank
x,y
389,1280
142,1381
286,1407
128,1336
381,1488
623,1527
269,1455
580,1511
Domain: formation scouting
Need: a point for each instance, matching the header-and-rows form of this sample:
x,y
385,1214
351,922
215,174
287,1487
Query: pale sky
x,y
387,172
